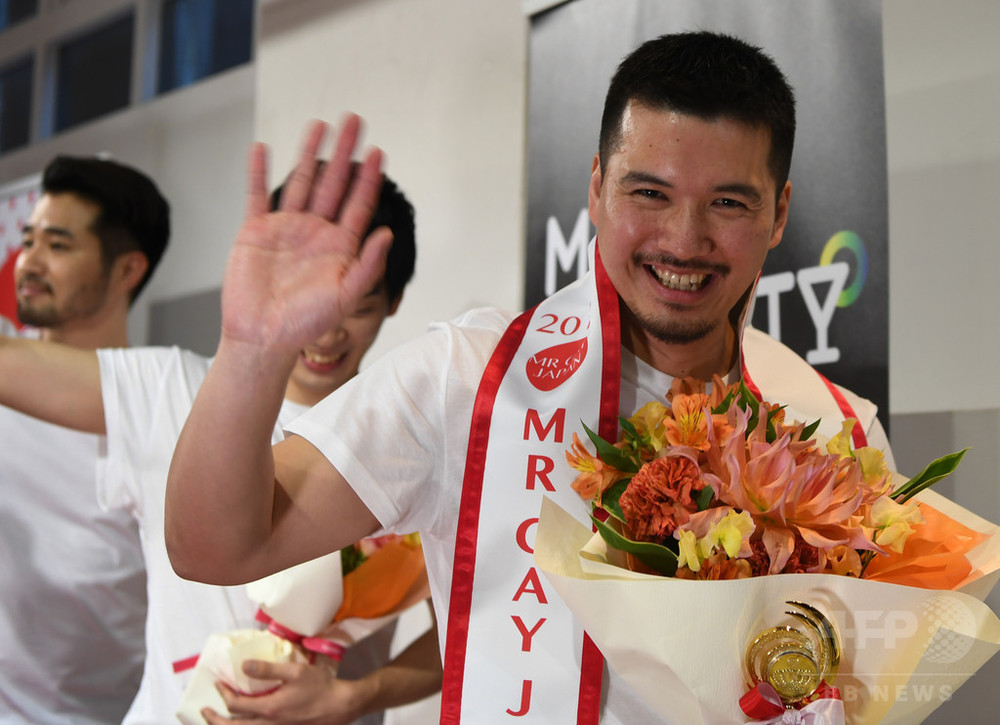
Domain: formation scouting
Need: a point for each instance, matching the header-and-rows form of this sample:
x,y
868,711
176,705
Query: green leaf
x,y
704,497
657,556
629,429
935,471
609,499
351,558
631,436
724,406
749,403
611,455
808,431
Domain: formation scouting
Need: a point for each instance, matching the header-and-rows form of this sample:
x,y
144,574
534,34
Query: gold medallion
x,y
794,662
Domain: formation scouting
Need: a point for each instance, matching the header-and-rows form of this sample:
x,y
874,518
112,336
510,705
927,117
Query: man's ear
x,y
129,269
594,189
394,305
781,215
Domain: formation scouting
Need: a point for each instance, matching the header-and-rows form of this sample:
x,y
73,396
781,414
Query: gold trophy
x,y
792,661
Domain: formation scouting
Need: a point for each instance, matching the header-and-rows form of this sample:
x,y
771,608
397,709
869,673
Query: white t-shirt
x,y
148,393
72,582
404,451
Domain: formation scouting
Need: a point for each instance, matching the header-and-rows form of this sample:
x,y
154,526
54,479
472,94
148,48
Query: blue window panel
x,y
94,73
14,11
199,38
15,104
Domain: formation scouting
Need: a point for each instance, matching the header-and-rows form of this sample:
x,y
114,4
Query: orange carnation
x,y
658,498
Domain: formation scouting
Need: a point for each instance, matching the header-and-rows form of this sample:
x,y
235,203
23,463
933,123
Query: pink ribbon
x,y
763,705
318,645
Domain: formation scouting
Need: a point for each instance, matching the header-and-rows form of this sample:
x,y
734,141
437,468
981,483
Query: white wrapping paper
x,y
222,660
680,644
303,598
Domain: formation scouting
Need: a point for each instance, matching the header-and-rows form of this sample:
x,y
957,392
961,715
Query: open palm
x,y
295,273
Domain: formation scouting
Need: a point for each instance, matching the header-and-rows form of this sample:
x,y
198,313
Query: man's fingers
x,y
257,180
338,174
295,195
264,670
238,705
362,200
365,275
214,718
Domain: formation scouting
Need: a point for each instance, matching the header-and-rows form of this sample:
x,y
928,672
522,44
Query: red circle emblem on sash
x,y
550,368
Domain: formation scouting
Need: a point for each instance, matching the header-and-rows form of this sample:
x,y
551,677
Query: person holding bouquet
x,y
139,398
459,434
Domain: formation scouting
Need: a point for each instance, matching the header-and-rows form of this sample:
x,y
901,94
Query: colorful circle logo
x,y
853,243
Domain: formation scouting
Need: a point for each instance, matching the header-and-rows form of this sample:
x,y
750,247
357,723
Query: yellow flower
x,y
648,422
840,444
873,468
874,471
893,522
729,534
688,554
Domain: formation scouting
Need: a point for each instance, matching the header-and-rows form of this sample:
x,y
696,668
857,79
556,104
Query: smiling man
x,y
687,210
73,599
80,267
460,433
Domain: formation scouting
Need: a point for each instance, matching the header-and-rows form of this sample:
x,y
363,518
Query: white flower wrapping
x,y
680,644
222,660
304,599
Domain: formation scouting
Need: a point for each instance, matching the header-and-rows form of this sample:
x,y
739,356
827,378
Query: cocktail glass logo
x,y
823,288
811,281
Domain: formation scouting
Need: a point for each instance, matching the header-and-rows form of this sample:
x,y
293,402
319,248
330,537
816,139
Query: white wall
x,y
942,72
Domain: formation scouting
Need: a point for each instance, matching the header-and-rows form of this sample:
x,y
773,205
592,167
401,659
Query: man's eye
x,y
731,203
648,193
26,243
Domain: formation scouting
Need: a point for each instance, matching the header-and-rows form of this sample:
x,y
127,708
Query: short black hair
x,y
396,212
133,215
710,76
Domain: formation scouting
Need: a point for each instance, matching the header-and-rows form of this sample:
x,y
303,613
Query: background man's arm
x,y
57,383
235,511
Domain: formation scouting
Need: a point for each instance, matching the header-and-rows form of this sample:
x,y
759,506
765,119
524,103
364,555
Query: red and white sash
x,y
513,649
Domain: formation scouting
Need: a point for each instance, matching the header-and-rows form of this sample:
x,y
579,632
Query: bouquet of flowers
x,y
313,610
707,502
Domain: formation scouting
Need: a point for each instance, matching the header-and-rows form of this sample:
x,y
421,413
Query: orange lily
x,y
595,475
